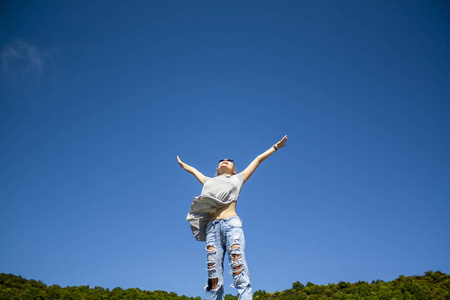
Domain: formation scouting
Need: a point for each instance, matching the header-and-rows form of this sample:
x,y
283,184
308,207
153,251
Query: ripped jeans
x,y
226,236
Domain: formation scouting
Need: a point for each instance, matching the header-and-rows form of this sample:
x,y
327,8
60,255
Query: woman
x,y
214,220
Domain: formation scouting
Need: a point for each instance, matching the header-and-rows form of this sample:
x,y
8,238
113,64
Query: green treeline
x,y
433,285
14,287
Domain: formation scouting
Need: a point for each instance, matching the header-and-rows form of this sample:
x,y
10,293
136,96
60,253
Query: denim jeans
x,y
226,236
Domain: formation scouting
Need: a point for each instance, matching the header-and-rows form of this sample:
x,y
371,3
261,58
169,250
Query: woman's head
x,y
226,167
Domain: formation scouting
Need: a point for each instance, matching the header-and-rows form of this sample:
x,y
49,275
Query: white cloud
x,y
27,70
21,57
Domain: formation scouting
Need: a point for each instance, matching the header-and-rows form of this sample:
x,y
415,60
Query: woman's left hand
x,y
281,143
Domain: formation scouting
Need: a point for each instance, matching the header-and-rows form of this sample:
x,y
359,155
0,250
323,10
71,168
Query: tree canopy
x,y
432,285
14,287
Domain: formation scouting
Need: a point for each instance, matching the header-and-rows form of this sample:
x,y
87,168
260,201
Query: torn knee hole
x,y
211,265
210,249
235,257
213,284
237,270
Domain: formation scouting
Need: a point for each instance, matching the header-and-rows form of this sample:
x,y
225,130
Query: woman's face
x,y
226,167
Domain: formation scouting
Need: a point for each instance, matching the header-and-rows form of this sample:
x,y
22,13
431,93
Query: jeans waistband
x,y
224,220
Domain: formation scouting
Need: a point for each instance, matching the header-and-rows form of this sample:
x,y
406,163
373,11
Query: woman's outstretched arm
x,y
260,158
200,177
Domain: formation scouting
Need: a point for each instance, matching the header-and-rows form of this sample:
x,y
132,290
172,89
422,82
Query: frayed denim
x,y
226,236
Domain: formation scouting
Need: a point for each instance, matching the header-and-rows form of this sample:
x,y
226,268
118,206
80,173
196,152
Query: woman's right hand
x,y
200,177
182,164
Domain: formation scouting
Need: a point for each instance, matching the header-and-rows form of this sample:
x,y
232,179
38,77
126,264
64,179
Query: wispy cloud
x,y
21,57
26,68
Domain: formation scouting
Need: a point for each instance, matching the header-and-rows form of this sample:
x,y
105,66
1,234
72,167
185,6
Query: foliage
x,y
433,285
14,287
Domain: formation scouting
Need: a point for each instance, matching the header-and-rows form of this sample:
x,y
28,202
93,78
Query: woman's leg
x,y
215,254
235,247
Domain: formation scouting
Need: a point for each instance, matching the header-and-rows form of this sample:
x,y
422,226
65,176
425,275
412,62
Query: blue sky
x,y
98,98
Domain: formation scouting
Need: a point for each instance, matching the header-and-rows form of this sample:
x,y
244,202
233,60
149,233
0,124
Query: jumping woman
x,y
213,219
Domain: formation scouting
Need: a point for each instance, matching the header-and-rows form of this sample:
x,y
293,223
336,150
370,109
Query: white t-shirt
x,y
223,187
217,192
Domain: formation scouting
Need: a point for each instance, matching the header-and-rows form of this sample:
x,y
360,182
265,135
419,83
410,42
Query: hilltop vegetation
x,y
433,285
14,287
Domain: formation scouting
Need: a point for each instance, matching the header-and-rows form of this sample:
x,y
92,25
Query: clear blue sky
x,y
98,97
